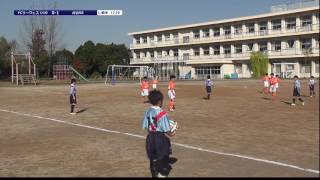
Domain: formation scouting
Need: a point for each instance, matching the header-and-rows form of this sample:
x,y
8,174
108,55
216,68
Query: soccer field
x,y
239,132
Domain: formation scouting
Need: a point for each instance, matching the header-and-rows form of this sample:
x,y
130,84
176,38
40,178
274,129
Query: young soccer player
x,y
158,145
265,80
73,97
311,84
272,83
296,91
171,92
208,86
144,88
155,82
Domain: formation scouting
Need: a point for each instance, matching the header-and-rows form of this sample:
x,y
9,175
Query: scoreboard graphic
x,y
68,12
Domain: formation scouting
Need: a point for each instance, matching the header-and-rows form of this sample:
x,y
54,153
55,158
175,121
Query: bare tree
x,y
52,36
50,25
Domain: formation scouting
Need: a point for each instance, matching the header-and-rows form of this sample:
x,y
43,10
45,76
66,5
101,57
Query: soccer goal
x,y
116,73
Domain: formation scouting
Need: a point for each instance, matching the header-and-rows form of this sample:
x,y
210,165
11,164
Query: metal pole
x,y
17,74
12,71
34,71
29,58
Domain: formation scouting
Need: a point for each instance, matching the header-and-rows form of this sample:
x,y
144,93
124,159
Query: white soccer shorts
x,y
145,92
266,84
171,94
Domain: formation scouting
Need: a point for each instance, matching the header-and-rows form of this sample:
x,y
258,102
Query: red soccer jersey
x,y
171,86
265,78
144,85
273,80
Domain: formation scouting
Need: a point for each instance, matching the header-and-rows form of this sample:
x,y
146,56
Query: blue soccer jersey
x,y
154,114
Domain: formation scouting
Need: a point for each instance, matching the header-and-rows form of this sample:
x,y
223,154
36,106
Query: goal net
x,y
116,73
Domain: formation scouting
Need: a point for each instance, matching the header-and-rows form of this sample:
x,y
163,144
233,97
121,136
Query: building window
x,y
159,54
204,71
238,29
186,39
263,26
167,52
317,66
250,28
206,32
276,46
143,54
238,48
196,34
175,52
227,30
138,55
263,47
152,54
144,40
151,38
196,51
159,38
138,40
250,46
216,32
216,50
167,37
227,49
206,50
306,44
291,23
276,25
290,43
306,20
305,67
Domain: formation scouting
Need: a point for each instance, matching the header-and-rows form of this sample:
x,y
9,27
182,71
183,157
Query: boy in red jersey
x,y
144,89
273,81
171,92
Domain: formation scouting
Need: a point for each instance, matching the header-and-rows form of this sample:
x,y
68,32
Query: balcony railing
x,y
233,36
226,57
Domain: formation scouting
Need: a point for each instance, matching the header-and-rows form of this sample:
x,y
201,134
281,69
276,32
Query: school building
x,y
288,35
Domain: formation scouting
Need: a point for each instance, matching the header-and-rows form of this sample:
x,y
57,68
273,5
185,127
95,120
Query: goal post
x,y
116,73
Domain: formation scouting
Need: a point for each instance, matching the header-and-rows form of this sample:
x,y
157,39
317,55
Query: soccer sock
x,y
301,100
208,96
72,108
294,100
153,168
171,104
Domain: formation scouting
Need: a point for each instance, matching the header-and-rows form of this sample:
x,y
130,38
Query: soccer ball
x,y
173,125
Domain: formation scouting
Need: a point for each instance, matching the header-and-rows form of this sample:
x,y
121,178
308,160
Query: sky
x,y
137,15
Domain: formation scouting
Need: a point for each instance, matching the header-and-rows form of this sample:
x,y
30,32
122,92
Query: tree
x,y
5,51
259,64
49,25
95,59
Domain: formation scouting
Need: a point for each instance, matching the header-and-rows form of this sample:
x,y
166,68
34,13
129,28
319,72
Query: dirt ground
x,y
237,120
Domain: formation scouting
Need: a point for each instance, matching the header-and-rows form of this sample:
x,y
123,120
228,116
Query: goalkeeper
x,y
158,144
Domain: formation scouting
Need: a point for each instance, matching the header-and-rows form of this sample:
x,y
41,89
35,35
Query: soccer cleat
x,y
302,103
293,104
73,113
161,176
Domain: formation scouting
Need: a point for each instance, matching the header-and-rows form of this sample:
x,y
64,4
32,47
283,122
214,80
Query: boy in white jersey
x,y
158,145
73,97
208,86
311,84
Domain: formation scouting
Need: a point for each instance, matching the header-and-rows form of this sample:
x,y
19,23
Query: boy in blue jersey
x,y
209,84
73,97
296,91
158,145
